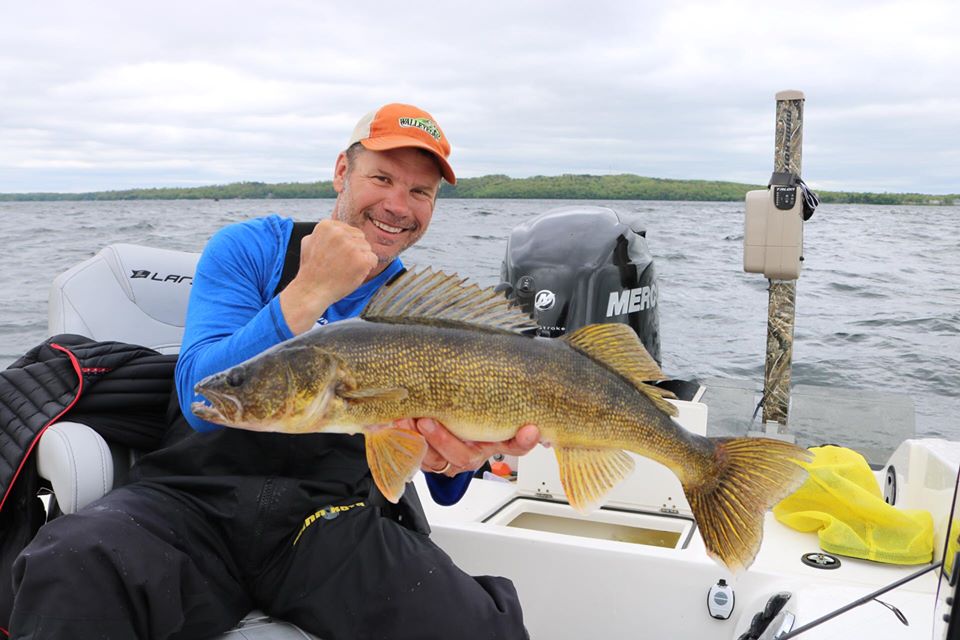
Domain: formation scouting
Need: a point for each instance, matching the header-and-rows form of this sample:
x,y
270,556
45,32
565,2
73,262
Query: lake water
x,y
878,303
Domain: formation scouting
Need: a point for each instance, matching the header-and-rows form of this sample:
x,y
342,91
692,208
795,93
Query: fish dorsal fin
x,y
436,297
394,455
588,475
618,347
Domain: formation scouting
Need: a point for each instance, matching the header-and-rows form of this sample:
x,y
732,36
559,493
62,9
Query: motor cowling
x,y
580,265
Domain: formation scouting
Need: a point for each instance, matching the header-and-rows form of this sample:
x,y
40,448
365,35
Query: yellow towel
x,y
841,499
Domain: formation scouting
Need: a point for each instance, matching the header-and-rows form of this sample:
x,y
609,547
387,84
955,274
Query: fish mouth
x,y
222,409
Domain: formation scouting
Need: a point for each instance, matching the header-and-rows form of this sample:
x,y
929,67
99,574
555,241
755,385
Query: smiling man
x,y
221,520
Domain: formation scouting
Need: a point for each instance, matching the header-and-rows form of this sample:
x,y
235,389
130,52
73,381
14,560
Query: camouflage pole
x,y
781,307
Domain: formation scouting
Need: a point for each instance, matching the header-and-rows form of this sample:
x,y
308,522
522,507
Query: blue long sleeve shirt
x,y
233,315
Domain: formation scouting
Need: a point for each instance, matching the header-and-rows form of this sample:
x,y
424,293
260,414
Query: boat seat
x,y
138,295
126,293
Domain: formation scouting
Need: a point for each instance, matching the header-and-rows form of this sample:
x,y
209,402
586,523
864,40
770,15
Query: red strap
x,y
36,438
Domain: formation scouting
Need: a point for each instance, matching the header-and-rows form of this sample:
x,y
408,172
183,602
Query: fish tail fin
x,y
747,477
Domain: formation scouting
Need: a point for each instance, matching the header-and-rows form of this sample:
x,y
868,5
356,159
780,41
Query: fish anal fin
x,y
588,475
389,394
394,455
618,347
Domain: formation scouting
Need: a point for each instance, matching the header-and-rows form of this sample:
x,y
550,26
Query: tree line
x,y
567,187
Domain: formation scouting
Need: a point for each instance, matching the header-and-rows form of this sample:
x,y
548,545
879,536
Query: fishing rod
x,y
863,600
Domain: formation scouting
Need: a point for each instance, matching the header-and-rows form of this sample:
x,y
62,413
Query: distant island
x,y
566,187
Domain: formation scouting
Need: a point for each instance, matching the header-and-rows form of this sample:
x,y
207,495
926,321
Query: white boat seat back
x,y
128,293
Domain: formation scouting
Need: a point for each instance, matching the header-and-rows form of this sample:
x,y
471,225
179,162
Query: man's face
x,y
389,195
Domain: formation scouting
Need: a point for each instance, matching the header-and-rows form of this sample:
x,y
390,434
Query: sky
x,y
113,94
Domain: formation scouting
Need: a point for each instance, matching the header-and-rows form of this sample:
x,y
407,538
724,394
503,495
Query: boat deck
x,y
573,585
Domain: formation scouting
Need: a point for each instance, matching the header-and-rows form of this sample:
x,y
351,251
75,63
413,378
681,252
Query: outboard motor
x,y
581,265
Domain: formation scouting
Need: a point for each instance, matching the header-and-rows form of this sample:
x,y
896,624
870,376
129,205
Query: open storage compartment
x,y
658,530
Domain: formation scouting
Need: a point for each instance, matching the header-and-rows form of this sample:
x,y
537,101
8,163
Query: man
x,y
224,520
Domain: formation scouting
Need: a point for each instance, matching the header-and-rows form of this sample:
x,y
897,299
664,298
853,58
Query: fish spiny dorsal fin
x,y
618,347
430,296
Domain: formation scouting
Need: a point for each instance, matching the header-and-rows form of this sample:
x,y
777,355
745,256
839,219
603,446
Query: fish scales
x,y
485,385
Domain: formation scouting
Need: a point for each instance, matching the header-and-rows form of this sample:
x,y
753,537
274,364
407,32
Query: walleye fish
x,y
430,345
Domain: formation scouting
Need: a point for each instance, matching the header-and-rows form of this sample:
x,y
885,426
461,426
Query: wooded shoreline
x,y
566,187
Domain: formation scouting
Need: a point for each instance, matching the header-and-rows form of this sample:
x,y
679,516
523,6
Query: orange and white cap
x,y
397,125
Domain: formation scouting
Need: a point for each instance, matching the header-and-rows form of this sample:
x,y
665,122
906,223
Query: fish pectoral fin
x,y
394,455
618,347
588,475
387,394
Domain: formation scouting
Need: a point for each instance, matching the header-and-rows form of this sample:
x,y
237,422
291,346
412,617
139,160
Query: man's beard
x,y
346,212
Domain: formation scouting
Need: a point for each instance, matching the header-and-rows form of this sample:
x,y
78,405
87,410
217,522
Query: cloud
x,y
107,94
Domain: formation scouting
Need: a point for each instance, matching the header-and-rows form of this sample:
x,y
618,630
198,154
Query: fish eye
x,y
235,378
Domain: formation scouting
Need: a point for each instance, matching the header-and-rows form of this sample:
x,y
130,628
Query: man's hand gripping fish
x,y
429,345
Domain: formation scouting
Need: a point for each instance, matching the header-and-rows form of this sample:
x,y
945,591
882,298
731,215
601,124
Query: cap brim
x,y
385,143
